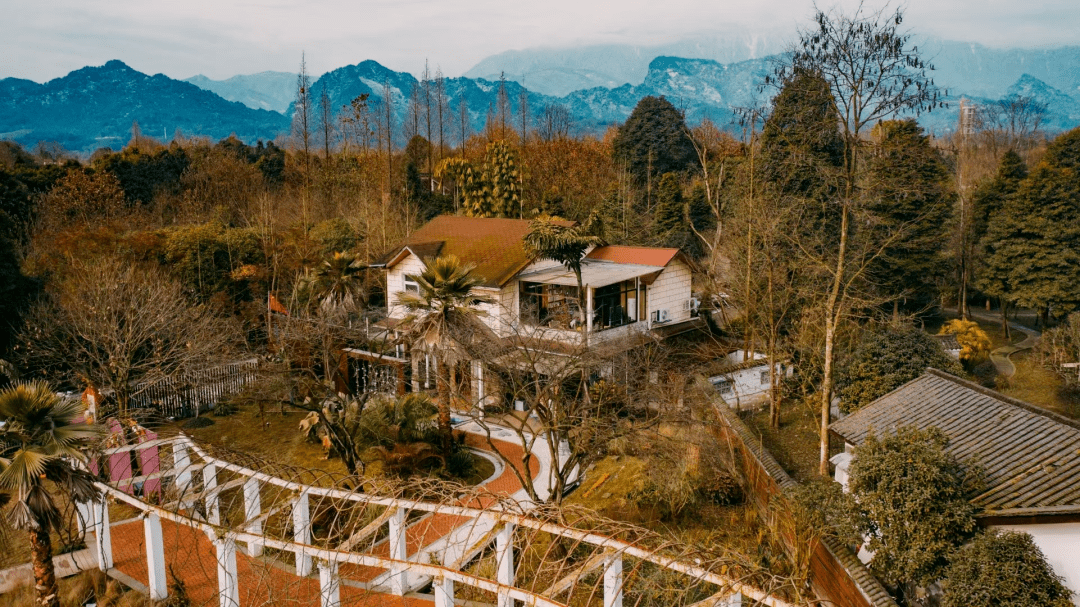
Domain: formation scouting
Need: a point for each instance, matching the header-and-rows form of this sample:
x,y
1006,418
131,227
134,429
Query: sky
x,y
45,39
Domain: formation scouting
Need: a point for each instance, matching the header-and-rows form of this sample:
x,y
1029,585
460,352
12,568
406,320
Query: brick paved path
x,y
190,555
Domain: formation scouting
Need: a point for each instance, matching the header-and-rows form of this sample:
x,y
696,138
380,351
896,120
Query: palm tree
x,y
567,245
335,284
443,319
39,442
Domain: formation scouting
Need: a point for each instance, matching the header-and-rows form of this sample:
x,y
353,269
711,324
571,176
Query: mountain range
x,y
262,91
95,106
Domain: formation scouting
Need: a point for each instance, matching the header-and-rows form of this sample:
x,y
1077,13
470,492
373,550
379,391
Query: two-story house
x,y
630,293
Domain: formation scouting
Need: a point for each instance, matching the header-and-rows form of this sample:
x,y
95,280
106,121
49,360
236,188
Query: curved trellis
x,y
384,542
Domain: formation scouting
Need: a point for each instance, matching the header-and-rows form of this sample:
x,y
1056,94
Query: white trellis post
x,y
228,582
444,592
84,518
504,562
613,581
155,557
397,551
252,510
301,517
213,508
329,584
102,533
181,465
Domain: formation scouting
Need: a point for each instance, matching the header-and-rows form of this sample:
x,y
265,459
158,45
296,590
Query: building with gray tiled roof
x,y
1030,456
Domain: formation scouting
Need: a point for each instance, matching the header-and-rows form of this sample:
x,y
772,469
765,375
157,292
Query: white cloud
x,y
221,38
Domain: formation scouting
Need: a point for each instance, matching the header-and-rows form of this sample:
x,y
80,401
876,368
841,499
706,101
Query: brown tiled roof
x,y
645,256
1031,457
493,246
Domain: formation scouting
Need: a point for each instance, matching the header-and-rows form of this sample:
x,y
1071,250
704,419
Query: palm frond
x,y
24,470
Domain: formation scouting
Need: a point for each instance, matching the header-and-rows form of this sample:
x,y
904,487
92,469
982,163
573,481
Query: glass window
x,y
725,386
764,377
554,306
615,305
411,286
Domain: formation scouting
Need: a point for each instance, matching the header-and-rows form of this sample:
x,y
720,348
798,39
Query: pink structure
x,y
150,463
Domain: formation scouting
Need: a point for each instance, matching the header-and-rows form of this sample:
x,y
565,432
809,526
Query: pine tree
x,y
1034,249
653,141
802,150
909,197
989,204
990,196
670,211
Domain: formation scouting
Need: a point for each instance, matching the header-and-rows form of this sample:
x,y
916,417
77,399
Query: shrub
x,y
1002,568
822,505
886,359
912,490
974,342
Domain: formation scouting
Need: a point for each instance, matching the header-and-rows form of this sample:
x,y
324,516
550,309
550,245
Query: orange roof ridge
x,y
645,256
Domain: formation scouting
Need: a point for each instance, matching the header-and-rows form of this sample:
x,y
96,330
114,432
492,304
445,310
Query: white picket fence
x,y
195,392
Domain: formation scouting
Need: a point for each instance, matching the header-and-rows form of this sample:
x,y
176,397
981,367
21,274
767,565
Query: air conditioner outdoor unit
x,y
692,304
660,316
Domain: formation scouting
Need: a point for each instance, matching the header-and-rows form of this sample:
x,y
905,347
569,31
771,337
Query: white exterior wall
x,y
492,313
747,388
395,283
670,291
412,265
1059,543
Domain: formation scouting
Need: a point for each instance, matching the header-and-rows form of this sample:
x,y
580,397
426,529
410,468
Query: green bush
x,y
886,359
914,493
1002,568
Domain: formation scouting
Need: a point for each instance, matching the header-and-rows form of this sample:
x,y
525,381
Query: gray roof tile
x,y
1031,457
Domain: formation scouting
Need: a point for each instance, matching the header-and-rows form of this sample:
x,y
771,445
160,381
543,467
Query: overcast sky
x,y
45,39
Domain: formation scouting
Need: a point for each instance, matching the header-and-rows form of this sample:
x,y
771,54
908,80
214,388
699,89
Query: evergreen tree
x,y
1034,248
653,141
1002,568
1064,152
670,211
802,150
912,491
502,181
989,206
909,196
990,196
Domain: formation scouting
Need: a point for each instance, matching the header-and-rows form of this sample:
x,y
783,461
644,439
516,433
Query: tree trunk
x,y
1005,318
44,575
832,317
445,428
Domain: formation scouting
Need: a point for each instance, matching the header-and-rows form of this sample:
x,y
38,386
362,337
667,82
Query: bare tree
x,y
123,328
441,109
1017,118
874,73
463,111
555,122
302,110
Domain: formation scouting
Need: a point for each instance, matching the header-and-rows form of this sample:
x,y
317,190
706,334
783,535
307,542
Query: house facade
x,y
745,381
630,295
1030,457
627,290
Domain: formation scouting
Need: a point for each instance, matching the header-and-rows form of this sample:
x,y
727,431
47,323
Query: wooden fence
x,y
836,574
195,392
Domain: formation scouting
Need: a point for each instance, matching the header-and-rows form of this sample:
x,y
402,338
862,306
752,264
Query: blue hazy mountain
x,y
561,71
95,107
262,91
